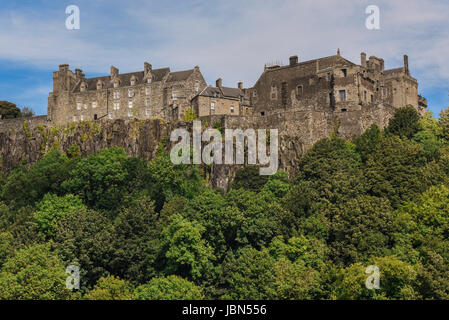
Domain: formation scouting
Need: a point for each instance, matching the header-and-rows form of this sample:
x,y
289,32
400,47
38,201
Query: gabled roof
x,y
179,75
392,71
221,92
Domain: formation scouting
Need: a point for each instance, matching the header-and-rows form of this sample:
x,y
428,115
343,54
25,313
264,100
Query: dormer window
x,y
116,83
83,87
133,80
99,85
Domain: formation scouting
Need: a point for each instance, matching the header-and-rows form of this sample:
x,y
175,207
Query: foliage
x,y
110,288
9,110
168,288
405,122
34,273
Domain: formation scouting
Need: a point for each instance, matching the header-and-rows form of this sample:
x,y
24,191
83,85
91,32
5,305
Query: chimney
x,y
114,72
218,82
63,67
363,59
240,85
406,65
293,60
79,73
147,67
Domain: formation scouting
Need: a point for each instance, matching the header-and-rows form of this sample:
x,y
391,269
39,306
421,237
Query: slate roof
x,y
221,92
179,75
125,79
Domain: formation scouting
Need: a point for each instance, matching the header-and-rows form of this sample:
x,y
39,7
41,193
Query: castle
x,y
332,85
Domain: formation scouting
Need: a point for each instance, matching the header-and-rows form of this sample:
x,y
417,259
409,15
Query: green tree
x,y
185,252
368,141
443,123
136,235
34,273
169,288
27,112
85,238
111,288
405,122
52,208
9,110
249,178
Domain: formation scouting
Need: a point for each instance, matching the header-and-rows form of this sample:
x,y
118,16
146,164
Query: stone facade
x,y
152,93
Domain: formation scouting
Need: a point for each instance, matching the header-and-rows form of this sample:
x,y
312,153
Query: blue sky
x,y
231,39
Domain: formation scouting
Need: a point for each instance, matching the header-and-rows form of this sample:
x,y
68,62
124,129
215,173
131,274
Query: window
x,y
329,77
232,109
116,84
99,86
174,95
372,98
364,95
78,106
299,90
262,113
342,95
384,92
116,105
110,115
149,80
95,117
130,92
147,102
147,112
130,104
133,82
212,106
274,92
116,94
254,93
82,118
94,104
85,106
345,72
130,113
83,87
343,110
75,119
147,91
197,86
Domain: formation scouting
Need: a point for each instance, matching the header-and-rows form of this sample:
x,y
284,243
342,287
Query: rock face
x,y
27,141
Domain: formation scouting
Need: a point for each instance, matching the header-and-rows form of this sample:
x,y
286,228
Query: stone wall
x,y
31,123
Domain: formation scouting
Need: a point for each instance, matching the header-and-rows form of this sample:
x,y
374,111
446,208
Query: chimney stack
x,y
218,82
406,65
240,85
293,60
114,72
147,67
363,59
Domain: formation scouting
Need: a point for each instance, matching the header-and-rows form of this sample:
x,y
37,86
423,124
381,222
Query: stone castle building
x,y
332,85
